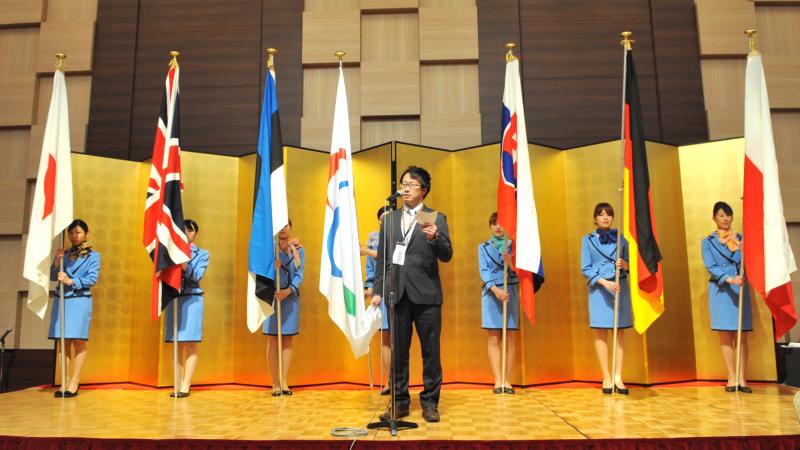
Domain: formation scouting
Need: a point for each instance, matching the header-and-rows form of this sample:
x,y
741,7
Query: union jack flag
x,y
164,236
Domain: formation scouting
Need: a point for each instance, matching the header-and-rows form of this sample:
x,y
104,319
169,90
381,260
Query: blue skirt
x,y
79,317
290,315
601,306
384,315
492,309
723,307
190,319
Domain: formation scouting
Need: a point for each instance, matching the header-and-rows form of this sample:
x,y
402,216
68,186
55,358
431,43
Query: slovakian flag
x,y
768,257
646,279
516,210
164,236
340,278
52,199
270,208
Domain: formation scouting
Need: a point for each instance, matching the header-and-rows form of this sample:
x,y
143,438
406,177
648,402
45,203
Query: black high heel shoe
x,y
286,392
730,388
607,391
745,389
622,391
68,394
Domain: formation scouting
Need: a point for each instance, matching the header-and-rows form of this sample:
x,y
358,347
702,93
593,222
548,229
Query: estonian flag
x,y
270,209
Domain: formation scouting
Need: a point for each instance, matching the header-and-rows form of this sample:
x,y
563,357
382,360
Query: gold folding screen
x,y
127,346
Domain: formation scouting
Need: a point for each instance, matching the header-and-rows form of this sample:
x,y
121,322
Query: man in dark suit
x,y
415,248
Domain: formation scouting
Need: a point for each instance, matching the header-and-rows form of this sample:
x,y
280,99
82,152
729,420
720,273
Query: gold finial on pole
x,y
626,40
271,52
60,64
340,54
174,61
510,53
751,40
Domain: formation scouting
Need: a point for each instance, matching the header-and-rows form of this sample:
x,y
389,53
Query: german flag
x,y
647,284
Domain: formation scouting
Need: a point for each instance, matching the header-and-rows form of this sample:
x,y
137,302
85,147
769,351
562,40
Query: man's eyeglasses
x,y
409,185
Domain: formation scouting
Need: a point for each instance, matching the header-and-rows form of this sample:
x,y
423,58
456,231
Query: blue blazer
x,y
195,270
720,262
598,260
490,264
291,276
83,272
372,244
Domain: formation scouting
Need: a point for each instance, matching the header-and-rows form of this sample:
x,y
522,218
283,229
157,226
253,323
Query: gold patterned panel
x,y
210,199
117,237
670,349
75,38
711,172
390,88
592,176
17,92
325,32
448,33
720,24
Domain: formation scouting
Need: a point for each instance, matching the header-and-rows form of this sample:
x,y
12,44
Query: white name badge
x,y
399,256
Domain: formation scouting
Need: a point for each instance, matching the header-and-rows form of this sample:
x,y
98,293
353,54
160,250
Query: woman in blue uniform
x,y
599,261
491,257
722,256
290,265
371,252
190,311
81,270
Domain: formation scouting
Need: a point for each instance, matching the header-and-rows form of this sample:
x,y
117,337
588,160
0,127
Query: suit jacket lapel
x,y
595,241
720,248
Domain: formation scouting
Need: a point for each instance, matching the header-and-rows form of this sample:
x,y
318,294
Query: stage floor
x,y
467,414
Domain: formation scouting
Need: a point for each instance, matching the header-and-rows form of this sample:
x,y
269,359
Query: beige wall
x,y
723,50
31,31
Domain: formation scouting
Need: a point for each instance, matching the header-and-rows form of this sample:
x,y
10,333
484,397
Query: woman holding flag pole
x,y
289,266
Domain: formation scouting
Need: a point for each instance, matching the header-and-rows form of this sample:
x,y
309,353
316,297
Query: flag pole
x,y
63,359
61,305
175,372
626,47
277,303
751,43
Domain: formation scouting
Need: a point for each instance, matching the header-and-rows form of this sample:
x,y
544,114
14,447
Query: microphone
x,y
3,337
397,194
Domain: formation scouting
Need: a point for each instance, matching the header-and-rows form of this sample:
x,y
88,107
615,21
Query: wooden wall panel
x,y
379,131
446,3
12,203
21,12
317,121
723,86
384,6
390,88
721,24
450,131
113,69
448,34
326,32
498,23
450,89
783,79
786,131
778,29
74,38
14,151
332,5
18,50
61,10
390,37
282,28
17,92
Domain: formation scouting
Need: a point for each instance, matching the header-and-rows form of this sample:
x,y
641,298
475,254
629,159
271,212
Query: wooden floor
x,y
474,414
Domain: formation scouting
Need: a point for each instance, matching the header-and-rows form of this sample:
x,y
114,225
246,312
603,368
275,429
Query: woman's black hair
x,y
603,207
421,175
191,225
493,218
384,209
78,223
724,207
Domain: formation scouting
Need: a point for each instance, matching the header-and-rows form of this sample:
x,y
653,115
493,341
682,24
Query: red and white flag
x,y
768,258
52,199
164,236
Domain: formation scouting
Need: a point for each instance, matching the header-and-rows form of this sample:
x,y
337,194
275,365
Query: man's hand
x,y
376,300
430,230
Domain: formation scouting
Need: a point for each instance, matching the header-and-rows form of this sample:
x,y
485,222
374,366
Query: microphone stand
x,y
392,424
2,357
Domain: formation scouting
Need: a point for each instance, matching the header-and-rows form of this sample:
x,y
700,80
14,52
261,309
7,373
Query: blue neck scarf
x,y
607,236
